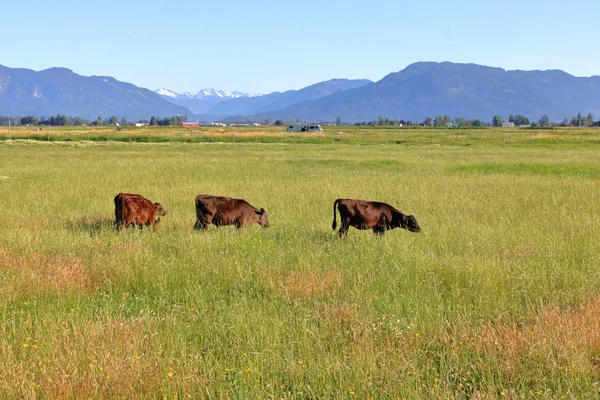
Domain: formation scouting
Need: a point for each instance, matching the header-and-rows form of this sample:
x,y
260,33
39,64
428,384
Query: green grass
x,y
414,136
499,294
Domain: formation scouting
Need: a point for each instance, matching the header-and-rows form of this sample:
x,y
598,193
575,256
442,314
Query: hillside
x,y
278,100
60,90
458,90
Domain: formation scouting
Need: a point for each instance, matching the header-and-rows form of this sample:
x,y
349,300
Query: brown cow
x,y
222,211
135,208
363,214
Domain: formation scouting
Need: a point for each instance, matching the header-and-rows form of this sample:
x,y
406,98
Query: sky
x,y
264,46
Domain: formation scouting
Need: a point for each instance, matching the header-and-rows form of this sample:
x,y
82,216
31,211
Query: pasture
x,y
497,297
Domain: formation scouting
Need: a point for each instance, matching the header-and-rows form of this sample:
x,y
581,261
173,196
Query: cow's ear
x,y
259,212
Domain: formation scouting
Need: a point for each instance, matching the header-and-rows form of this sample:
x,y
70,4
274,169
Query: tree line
x,y
63,120
440,121
497,120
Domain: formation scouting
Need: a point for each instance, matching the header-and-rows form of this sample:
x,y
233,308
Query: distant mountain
x,y
278,100
458,90
420,90
202,101
60,90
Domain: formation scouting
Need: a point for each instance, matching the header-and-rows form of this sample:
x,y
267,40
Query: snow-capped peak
x,y
167,93
207,93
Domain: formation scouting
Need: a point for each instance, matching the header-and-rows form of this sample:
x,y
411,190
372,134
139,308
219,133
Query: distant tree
x,y
279,123
574,121
29,120
590,119
460,121
565,122
153,121
98,122
59,120
477,122
112,120
76,121
428,121
535,125
338,120
123,121
267,122
545,121
497,120
520,120
439,121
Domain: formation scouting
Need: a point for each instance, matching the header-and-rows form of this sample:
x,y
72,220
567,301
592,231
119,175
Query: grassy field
x,y
498,297
576,137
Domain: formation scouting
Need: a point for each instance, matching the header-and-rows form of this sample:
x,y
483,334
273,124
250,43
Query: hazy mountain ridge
x,y
420,90
60,90
458,90
278,100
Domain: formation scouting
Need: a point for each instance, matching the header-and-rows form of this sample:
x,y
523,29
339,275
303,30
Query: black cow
x,y
363,214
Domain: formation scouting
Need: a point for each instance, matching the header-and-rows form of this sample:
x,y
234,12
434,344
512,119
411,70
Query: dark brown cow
x,y
363,214
134,208
222,211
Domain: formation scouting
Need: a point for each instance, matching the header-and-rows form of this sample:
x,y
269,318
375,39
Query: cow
x,y
363,214
222,211
134,208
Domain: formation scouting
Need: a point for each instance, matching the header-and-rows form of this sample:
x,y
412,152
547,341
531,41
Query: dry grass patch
x,y
37,274
103,359
563,343
304,284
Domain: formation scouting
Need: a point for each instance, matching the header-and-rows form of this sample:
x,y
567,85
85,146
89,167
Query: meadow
x,y
497,297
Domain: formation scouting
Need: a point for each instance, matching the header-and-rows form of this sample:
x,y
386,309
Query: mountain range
x,y
458,90
60,90
420,90
202,101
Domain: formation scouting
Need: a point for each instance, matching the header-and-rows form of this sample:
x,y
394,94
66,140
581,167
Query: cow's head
x,y
411,224
263,217
408,222
160,211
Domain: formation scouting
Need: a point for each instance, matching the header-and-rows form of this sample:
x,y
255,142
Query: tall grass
x,y
498,296
572,137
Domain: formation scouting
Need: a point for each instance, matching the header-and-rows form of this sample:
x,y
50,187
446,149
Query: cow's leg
x,y
202,222
343,232
128,222
379,230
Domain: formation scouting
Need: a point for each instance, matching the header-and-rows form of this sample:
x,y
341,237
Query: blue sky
x,y
263,46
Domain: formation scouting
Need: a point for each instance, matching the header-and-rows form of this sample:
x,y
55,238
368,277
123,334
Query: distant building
x,y
188,123
508,124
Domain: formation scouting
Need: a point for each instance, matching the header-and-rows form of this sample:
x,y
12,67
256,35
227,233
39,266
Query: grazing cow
x,y
363,214
135,208
222,211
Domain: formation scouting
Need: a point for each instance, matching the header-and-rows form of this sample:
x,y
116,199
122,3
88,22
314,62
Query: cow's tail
x,y
334,224
118,210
